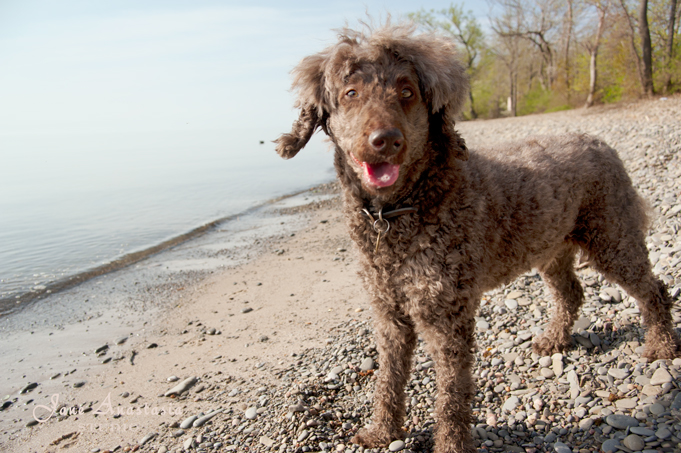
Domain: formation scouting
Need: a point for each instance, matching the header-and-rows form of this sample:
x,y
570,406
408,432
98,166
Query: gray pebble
x,y
619,421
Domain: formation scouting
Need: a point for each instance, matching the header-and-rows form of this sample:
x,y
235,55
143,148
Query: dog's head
x,y
384,99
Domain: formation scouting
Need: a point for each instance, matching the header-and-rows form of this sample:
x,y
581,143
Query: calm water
x,y
71,203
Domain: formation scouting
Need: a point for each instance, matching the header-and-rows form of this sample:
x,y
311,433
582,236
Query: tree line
x,y
549,55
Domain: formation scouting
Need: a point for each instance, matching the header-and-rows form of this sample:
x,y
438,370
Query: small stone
x,y
396,445
511,403
663,433
246,310
661,376
251,413
641,431
586,424
266,441
482,325
610,445
367,364
511,304
619,373
147,438
651,390
633,442
619,421
560,447
78,384
187,423
626,403
656,408
545,362
547,373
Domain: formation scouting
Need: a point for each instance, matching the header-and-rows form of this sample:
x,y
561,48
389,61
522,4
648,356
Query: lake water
x,y
71,203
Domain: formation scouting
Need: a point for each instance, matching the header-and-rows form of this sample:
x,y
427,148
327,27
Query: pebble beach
x,y
276,353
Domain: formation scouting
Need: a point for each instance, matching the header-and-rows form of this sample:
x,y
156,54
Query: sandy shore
x,y
251,322
245,322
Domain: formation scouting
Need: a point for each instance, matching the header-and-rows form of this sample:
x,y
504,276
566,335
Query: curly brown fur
x,y
387,101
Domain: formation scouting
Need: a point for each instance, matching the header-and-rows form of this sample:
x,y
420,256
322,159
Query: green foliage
x,y
508,57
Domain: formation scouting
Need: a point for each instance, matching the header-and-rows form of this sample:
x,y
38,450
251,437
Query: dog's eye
x,y
406,93
351,94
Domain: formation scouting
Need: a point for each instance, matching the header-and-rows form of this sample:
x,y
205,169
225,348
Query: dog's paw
x,y
548,344
662,344
373,437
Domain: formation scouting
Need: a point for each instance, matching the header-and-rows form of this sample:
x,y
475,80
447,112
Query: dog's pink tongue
x,y
381,175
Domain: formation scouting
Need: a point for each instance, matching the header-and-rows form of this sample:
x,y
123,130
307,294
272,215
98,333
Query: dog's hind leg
x,y
568,295
624,260
395,341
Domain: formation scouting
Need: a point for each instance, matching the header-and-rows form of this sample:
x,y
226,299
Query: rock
x,y
511,403
651,390
482,325
676,404
661,376
246,310
147,438
586,424
28,387
266,441
182,387
626,403
187,422
202,420
663,433
511,304
619,421
547,373
633,442
251,413
610,445
619,373
641,431
396,445
560,447
656,408
545,362
367,364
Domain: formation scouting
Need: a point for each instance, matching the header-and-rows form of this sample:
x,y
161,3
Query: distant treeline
x,y
548,55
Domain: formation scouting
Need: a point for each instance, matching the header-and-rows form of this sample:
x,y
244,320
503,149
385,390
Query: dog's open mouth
x,y
382,174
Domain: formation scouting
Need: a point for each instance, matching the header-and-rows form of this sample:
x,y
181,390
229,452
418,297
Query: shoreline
x,y
53,343
16,302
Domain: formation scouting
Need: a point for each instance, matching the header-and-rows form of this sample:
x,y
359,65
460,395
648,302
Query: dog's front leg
x,y
450,341
395,340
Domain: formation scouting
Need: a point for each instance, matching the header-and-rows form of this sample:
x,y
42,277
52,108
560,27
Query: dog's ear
x,y
308,81
443,83
442,76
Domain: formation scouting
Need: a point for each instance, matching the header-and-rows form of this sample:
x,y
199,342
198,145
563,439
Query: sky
x,y
128,74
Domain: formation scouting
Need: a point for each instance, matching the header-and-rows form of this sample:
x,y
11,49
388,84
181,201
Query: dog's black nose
x,y
386,140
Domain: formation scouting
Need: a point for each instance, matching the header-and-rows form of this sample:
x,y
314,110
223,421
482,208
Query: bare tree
x,y
536,23
670,46
632,41
569,19
646,48
602,7
507,28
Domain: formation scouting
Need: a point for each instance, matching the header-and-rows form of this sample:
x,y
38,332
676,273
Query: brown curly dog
x,y
438,225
